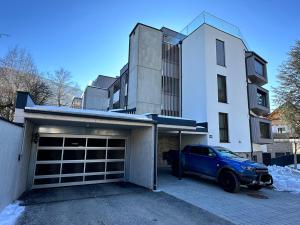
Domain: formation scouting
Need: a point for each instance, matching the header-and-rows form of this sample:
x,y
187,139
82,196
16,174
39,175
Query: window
x,y
281,130
220,52
222,92
203,151
259,67
264,130
261,98
223,127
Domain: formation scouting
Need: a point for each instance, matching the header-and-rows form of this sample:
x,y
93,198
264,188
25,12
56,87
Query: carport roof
x,y
54,110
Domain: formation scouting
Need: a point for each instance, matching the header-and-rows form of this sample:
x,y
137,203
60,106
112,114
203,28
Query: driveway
x,y
110,204
246,207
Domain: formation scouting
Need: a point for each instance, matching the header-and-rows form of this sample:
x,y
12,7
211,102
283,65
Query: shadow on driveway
x,y
110,204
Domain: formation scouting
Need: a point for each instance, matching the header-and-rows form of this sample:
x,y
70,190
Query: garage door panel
x,y
115,154
51,141
75,142
95,167
47,155
72,168
92,142
74,154
115,166
71,179
115,176
94,177
96,154
64,161
116,143
47,169
46,181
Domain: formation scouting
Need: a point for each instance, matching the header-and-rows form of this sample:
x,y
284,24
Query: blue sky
x,y
91,37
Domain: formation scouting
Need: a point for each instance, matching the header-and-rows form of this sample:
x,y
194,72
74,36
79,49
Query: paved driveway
x,y
246,207
110,204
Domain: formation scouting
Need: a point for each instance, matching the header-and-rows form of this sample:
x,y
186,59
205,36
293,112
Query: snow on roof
x,y
87,112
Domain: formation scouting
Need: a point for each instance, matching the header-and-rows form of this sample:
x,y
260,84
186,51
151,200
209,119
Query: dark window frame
x,y
262,64
219,57
222,97
263,96
266,135
224,129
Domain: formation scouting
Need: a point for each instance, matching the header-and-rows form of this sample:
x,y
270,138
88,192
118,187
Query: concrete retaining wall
x,y
10,148
142,157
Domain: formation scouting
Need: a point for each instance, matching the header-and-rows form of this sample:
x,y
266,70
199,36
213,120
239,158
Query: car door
x,y
203,160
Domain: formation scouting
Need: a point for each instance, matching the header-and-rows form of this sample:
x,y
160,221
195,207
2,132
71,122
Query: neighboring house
x,y
176,89
283,142
76,103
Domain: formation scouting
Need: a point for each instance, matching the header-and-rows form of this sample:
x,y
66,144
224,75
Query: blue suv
x,y
220,164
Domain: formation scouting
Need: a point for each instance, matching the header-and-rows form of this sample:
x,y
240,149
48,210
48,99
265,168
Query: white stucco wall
x,y
10,148
199,86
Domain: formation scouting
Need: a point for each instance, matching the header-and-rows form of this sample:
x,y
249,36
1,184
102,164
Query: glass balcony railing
x,y
206,18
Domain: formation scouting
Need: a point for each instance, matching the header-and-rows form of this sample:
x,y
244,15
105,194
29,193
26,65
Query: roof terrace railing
x,y
207,18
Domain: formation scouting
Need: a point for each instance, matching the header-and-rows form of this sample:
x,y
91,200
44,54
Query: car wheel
x,y
229,181
254,187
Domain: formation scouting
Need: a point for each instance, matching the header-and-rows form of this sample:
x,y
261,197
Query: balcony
x,y
258,99
256,68
261,131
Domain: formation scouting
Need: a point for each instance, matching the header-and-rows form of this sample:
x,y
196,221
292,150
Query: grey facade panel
x,y
256,131
252,74
257,108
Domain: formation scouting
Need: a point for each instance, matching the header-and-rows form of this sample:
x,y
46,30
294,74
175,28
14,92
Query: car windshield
x,y
226,153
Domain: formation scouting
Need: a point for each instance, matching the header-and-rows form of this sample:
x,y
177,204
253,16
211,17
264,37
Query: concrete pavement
x,y
110,204
246,207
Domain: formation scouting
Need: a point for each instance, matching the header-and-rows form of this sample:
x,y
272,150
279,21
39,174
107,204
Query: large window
x,y
259,67
222,92
261,98
264,130
220,51
223,127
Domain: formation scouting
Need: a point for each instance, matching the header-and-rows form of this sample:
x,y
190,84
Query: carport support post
x,y
179,161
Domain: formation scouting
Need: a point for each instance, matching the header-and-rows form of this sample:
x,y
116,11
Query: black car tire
x,y
255,187
229,181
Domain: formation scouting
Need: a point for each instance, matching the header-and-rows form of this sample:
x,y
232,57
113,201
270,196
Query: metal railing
x,y
207,18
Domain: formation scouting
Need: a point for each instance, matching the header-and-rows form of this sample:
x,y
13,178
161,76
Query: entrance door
x,y
75,160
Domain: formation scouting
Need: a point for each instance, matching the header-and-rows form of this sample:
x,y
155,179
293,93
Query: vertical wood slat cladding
x,y
170,80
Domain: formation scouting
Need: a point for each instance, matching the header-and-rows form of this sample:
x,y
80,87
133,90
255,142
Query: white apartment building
x,y
198,86
205,73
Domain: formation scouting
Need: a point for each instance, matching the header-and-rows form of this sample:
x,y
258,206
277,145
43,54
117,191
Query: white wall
x,y
199,86
10,148
142,157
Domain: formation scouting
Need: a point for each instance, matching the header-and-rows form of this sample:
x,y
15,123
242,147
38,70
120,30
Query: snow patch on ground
x,y
10,214
285,178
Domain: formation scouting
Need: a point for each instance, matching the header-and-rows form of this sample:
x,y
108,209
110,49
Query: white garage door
x,y
75,160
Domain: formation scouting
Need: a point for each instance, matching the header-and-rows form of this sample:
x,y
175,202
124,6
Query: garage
x,y
64,160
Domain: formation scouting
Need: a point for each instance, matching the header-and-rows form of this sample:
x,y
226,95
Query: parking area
x,y
110,204
246,207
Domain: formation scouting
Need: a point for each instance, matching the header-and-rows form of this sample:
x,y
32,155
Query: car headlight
x,y
249,168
